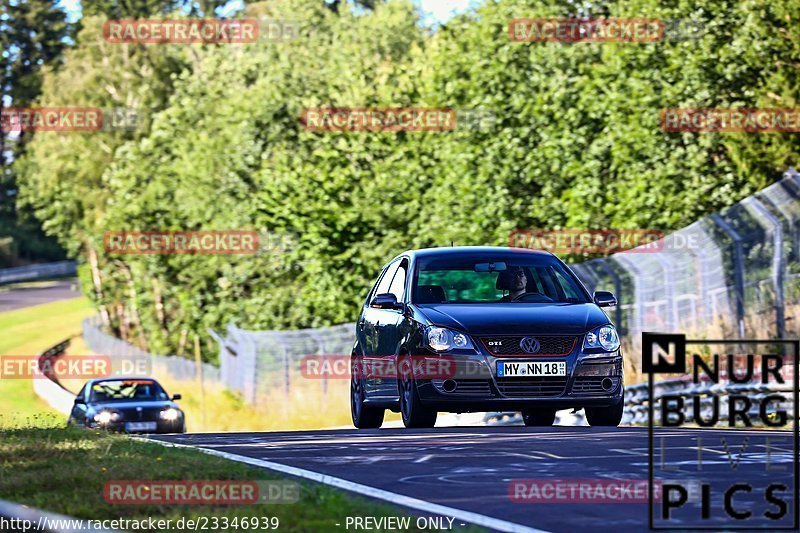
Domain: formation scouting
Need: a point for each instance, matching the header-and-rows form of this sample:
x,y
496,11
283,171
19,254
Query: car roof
x,y
121,378
460,250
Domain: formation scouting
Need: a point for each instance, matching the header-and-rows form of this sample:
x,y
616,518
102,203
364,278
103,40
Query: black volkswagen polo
x,y
471,329
132,405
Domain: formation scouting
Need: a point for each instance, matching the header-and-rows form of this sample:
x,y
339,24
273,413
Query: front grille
x,y
548,344
130,414
591,384
466,387
541,386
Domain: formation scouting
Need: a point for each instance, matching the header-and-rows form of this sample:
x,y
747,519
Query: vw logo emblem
x,y
529,345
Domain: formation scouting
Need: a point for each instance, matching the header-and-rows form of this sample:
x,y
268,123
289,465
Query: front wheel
x,y
606,416
364,416
538,417
415,415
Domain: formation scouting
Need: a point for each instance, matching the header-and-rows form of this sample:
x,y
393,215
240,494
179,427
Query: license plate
x,y
514,369
141,426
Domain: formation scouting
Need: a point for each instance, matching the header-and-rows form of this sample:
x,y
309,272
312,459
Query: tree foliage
x,y
576,142
33,34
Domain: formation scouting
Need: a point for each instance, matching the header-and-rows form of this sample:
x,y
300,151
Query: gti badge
x,y
529,345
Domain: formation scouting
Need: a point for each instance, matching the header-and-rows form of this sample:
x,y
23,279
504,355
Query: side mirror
x,y
79,401
176,397
604,299
386,300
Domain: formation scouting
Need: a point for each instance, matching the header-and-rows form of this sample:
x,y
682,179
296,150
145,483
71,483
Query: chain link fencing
x,y
731,274
125,355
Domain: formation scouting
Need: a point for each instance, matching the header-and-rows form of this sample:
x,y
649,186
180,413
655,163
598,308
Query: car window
x,y
462,279
386,281
127,390
399,282
567,286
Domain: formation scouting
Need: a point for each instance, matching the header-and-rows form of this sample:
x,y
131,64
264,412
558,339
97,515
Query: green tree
x,y
34,34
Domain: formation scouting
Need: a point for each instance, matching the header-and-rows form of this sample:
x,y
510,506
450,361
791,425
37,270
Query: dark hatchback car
x,y
473,329
131,405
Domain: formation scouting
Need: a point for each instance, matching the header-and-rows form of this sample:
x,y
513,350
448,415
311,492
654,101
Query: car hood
x,y
516,318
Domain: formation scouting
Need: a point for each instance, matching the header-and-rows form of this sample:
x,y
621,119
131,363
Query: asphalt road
x,y
16,297
471,469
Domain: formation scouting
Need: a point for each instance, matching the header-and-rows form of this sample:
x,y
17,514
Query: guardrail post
x,y
778,267
738,269
636,274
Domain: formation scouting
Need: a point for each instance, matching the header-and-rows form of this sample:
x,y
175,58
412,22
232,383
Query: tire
x,y
606,416
538,417
364,416
415,415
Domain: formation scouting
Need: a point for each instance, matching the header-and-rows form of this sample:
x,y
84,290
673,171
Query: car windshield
x,y
495,279
128,390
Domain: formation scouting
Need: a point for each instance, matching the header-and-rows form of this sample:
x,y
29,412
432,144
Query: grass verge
x,y
30,331
64,470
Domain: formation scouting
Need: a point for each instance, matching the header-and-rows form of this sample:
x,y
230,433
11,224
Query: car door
x,y
394,331
371,325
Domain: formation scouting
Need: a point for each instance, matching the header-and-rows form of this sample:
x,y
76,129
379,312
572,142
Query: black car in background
x,y
131,405
472,329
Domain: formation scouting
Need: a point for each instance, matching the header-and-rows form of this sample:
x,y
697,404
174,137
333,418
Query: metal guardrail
x,y
51,390
637,401
37,272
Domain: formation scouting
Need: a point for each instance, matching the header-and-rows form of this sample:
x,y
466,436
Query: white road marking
x,y
629,452
372,492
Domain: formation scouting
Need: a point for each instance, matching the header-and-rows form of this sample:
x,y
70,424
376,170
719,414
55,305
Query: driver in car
x,y
513,280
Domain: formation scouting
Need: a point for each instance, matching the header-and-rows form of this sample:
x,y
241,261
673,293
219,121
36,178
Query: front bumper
x,y
162,426
594,380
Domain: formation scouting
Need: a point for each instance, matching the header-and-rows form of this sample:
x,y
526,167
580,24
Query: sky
x,y
441,10
434,11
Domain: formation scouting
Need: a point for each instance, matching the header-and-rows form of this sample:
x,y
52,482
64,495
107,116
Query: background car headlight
x,y
443,339
106,417
170,414
604,337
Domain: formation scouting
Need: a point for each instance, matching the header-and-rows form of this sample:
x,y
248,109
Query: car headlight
x,y
170,414
443,340
106,417
604,337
